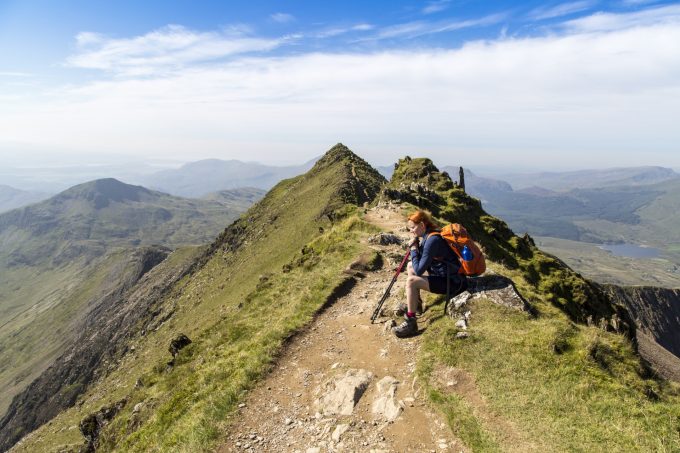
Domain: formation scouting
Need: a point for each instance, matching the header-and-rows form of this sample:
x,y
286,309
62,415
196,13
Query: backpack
x,y
458,238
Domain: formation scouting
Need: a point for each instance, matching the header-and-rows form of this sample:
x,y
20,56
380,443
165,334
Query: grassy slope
x,y
268,274
544,382
75,258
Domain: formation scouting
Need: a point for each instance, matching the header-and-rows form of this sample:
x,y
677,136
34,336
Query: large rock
x,y
342,394
385,405
498,289
91,426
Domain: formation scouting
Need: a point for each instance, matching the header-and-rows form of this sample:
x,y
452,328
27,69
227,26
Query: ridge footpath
x,y
385,407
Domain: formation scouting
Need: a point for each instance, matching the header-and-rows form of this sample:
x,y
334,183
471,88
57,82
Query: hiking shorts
x,y
458,284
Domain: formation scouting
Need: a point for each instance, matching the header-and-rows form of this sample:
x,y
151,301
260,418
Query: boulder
x,y
178,343
496,288
343,393
385,239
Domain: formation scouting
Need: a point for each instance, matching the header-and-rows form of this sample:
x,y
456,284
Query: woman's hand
x,y
414,241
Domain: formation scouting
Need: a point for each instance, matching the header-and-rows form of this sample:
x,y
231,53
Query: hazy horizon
x,y
56,175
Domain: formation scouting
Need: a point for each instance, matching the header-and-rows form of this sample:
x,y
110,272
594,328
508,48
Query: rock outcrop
x,y
656,313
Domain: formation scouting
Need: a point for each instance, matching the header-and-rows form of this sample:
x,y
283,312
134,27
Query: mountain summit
x,y
102,192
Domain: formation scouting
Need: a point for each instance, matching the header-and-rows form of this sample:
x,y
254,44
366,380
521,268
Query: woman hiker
x,y
429,254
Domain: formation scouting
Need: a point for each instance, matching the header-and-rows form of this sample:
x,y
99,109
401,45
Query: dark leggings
x,y
458,284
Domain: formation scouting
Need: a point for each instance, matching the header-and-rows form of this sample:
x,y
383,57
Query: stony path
x,y
307,403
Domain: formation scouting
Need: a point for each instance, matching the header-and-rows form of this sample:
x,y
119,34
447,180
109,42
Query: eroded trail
x,y
306,403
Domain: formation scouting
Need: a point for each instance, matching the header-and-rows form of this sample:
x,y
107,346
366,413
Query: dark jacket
x,y
432,256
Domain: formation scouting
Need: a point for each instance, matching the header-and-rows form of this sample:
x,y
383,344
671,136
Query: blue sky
x,y
583,83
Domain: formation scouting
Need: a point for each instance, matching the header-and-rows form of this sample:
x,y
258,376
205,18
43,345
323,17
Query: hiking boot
x,y
408,328
402,308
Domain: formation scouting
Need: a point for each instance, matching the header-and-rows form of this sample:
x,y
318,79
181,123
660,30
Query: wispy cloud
x,y
638,2
336,31
166,48
602,22
282,18
15,74
436,6
563,9
363,27
420,28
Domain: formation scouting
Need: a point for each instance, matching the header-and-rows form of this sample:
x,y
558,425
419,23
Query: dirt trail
x,y
281,413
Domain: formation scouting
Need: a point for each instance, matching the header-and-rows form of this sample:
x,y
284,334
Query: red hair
x,y
425,217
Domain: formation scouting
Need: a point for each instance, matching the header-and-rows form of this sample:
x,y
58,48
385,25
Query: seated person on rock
x,y
430,254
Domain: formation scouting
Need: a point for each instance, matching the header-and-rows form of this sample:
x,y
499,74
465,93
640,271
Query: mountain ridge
x,y
268,274
56,255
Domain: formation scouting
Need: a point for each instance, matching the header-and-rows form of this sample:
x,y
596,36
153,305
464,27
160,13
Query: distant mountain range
x,y
643,212
11,198
590,179
197,179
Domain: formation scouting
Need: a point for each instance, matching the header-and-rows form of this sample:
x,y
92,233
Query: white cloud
x,y
561,10
282,18
609,21
436,6
163,49
592,98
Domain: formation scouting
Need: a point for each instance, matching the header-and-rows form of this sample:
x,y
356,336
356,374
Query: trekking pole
x,y
448,288
376,312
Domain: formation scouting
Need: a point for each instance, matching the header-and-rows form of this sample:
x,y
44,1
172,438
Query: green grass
x,y
565,387
228,359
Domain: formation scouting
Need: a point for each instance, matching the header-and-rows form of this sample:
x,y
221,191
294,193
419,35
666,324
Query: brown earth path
x,y
281,415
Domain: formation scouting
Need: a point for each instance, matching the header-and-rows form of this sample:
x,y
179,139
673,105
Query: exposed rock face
x,y
105,335
656,312
343,394
386,406
91,425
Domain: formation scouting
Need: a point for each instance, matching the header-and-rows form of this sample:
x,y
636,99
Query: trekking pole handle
x,y
401,266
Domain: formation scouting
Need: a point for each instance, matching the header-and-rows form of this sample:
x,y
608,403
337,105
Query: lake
x,y
631,250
